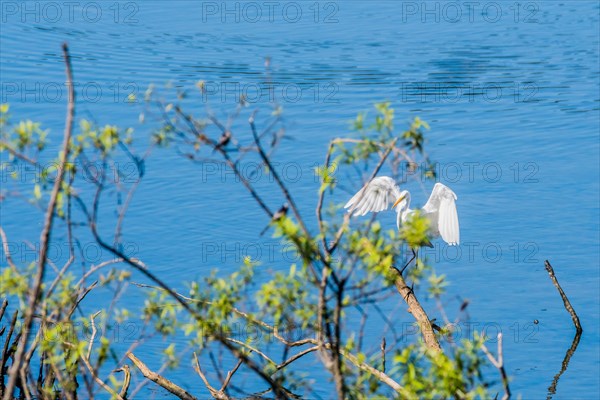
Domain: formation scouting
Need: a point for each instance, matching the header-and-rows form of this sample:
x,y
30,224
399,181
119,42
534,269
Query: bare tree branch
x,y
160,380
126,380
499,364
297,356
100,382
217,394
230,375
381,376
45,236
415,308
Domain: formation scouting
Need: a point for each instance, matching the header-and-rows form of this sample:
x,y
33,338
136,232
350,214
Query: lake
x,y
510,89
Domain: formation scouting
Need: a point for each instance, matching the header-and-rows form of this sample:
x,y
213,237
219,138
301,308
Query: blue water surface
x,y
511,91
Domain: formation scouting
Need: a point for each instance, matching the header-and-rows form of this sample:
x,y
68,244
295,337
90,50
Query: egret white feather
x,y
375,196
440,209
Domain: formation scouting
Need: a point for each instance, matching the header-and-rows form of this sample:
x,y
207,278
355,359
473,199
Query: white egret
x,y
440,209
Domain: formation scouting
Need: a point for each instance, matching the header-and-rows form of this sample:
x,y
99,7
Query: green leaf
x,y
37,192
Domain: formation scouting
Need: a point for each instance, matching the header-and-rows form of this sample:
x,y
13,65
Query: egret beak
x,y
398,201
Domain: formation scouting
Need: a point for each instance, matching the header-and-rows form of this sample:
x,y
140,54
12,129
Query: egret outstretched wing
x,y
375,196
442,204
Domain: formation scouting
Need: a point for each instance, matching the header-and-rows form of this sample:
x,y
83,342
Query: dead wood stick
x,y
578,329
160,380
564,366
565,300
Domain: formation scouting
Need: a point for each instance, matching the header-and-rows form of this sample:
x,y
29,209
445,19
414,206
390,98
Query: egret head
x,y
402,202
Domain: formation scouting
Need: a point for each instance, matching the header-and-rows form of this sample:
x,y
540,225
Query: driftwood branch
x,y
578,330
564,365
160,380
415,308
565,300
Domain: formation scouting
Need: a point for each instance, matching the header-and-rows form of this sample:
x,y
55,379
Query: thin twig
x,y
499,364
160,380
7,146
61,381
230,375
383,354
86,361
13,321
24,387
98,380
272,329
94,332
252,349
320,201
214,392
3,308
405,394
59,277
286,194
280,183
7,251
297,356
97,267
126,380
246,183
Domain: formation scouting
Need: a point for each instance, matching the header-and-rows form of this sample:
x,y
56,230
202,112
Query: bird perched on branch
x,y
279,214
440,209
223,141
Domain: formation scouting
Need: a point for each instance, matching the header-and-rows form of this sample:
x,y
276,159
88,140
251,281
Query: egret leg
x,y
409,261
